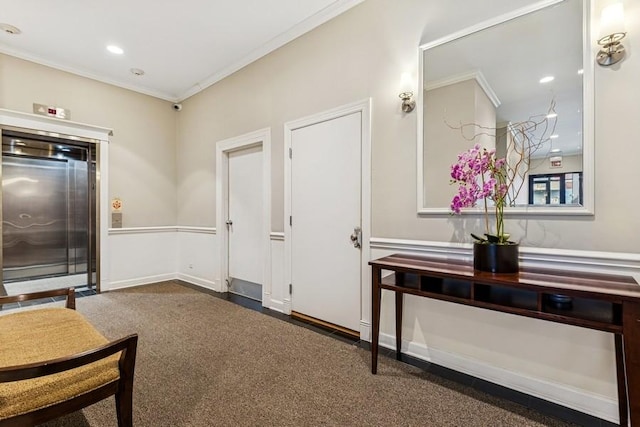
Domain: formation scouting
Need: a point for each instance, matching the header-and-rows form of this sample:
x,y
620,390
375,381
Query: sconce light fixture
x,y
611,32
406,94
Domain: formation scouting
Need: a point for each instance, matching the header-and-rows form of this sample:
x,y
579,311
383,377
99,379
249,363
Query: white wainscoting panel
x,y
142,255
150,254
145,255
198,260
580,400
589,391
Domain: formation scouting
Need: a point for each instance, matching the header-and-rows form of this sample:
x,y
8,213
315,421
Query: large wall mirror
x,y
521,84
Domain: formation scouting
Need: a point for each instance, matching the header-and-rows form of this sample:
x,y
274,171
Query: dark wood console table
x,y
599,301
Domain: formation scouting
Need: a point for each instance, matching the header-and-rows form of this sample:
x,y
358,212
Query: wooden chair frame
x,y
122,388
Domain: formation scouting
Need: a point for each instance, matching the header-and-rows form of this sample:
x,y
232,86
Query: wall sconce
x,y
406,94
611,32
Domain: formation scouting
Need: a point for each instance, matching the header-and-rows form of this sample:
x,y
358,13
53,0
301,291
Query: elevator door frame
x,y
50,127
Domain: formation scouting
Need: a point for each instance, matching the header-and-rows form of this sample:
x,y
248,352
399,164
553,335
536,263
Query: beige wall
x,y
357,55
361,54
445,110
142,149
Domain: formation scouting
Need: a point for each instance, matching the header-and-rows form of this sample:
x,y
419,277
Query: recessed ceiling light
x,y
555,150
552,115
10,29
137,71
554,136
580,71
115,49
546,79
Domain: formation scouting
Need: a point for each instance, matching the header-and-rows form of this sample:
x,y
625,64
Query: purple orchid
x,y
479,175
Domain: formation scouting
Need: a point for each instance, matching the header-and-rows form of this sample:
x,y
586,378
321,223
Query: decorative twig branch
x,y
524,139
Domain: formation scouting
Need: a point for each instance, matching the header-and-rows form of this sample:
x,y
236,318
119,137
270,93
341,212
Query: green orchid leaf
x,y
480,239
492,239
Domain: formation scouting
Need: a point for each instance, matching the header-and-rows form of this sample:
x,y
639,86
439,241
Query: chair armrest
x,y
126,363
68,292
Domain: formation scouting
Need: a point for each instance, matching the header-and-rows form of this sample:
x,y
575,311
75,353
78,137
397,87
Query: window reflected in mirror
x,y
555,189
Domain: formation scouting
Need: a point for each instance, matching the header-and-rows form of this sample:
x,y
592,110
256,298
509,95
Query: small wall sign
x,y
57,112
116,205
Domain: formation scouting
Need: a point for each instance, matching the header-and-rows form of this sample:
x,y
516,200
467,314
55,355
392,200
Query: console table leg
x,y
631,337
376,292
622,381
399,300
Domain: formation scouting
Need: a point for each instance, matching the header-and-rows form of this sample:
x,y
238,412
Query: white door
x,y
325,209
245,221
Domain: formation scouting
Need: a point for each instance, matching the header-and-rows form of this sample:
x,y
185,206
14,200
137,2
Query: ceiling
x,y
183,46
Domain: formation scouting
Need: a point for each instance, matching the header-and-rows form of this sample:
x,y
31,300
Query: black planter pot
x,y
496,258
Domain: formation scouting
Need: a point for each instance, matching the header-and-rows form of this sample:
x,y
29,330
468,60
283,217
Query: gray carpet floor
x,y
203,361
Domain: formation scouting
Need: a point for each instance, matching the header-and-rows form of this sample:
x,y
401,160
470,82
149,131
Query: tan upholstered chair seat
x,y
43,334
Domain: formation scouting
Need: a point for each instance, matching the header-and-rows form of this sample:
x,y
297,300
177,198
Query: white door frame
x,y
223,148
364,107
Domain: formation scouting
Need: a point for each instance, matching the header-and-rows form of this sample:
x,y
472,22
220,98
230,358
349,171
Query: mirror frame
x,y
588,106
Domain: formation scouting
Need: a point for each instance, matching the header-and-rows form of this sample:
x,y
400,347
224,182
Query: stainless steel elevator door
x,y
48,213
35,222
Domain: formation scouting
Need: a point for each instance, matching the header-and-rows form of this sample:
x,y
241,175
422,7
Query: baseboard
x,y
198,281
588,403
122,284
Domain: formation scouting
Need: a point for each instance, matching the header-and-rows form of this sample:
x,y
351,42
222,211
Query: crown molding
x,y
84,73
326,14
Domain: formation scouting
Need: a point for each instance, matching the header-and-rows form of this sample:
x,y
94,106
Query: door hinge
x,y
290,288
290,220
290,153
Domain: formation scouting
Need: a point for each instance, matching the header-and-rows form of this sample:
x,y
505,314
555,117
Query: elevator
x,y
49,221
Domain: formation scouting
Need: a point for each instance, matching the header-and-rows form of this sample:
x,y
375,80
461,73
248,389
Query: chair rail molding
x,y
567,259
